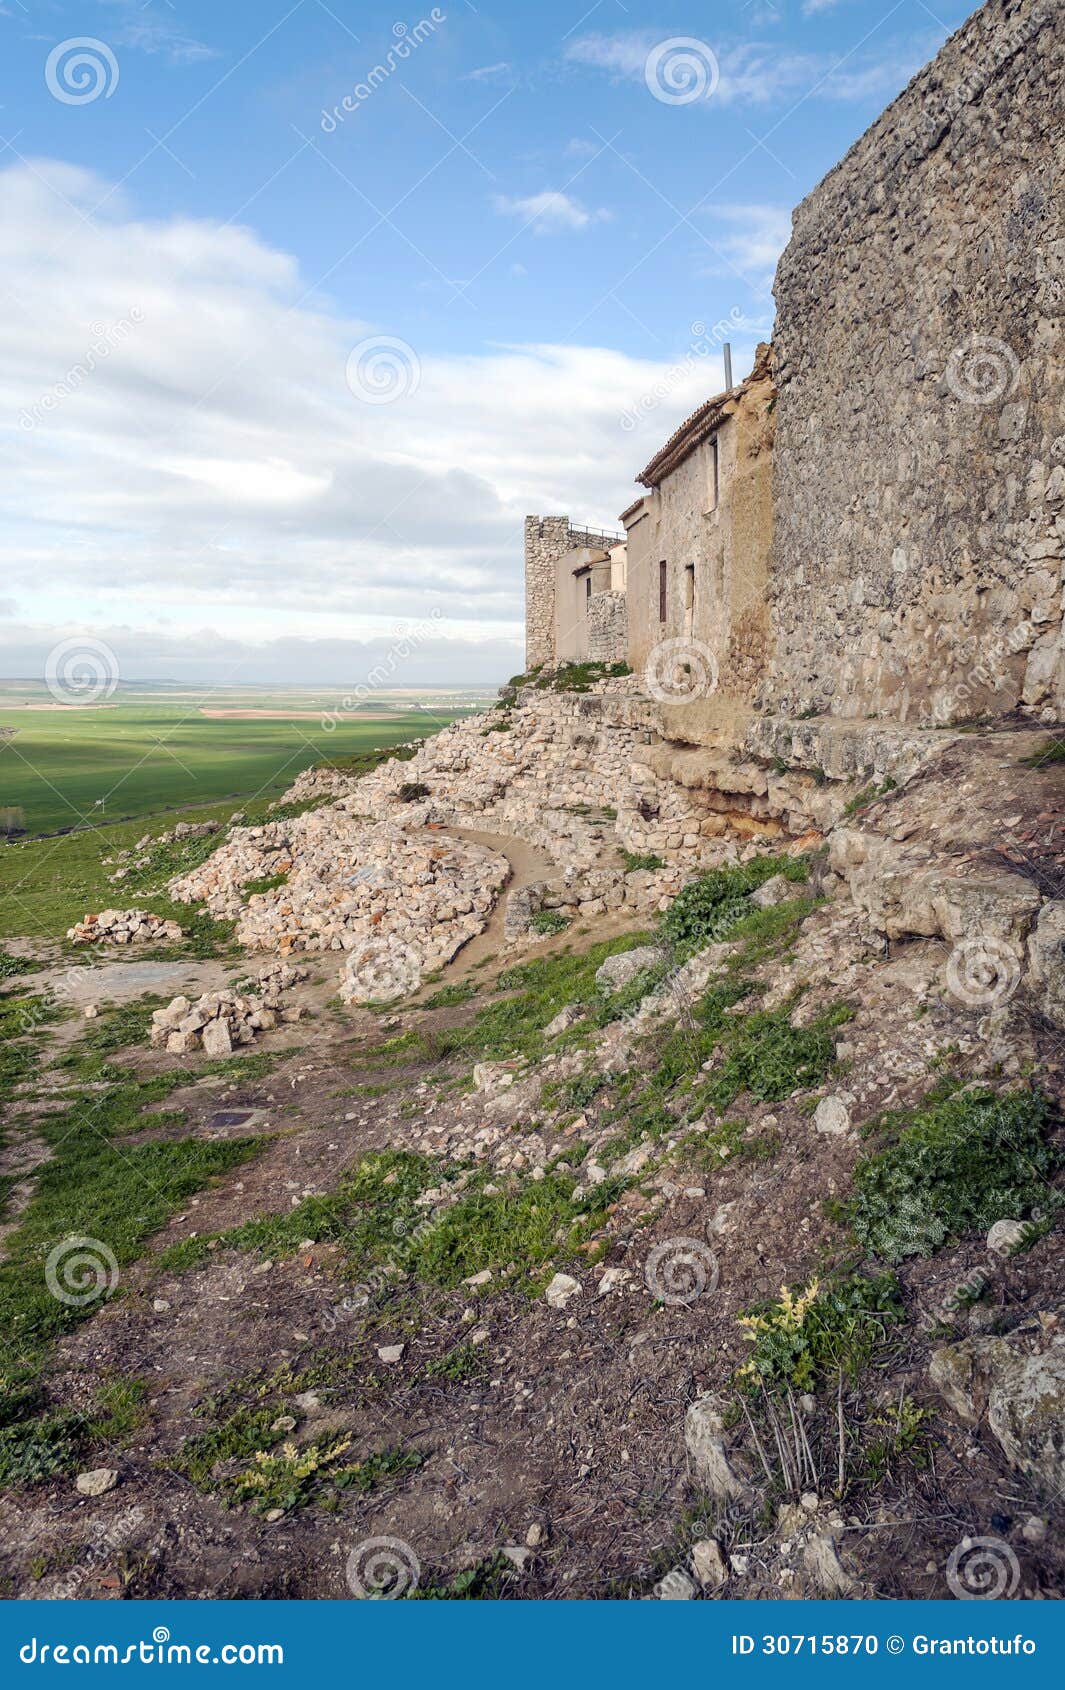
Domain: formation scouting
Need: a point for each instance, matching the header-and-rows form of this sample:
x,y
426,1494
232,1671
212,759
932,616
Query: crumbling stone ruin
x,y
873,523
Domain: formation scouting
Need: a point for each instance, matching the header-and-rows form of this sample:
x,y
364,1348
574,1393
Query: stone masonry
x,y
919,476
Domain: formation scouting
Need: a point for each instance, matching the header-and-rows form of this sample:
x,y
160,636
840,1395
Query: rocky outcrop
x,y
1017,1384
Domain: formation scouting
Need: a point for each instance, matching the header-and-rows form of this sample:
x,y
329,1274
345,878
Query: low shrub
x,y
959,1166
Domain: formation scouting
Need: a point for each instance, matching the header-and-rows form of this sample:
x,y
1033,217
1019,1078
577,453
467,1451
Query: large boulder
x,y
617,971
1017,1383
1046,955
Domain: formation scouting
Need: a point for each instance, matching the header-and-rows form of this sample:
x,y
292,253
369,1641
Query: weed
x,y
265,883
460,1366
960,1165
708,909
369,1214
411,790
768,1058
815,1330
548,921
636,861
486,1582
1052,751
461,991
515,1232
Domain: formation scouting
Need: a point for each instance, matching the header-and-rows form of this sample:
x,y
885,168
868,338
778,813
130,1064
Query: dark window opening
x,y
689,587
715,484
661,592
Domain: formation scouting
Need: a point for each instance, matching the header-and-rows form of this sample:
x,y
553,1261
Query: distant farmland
x,y
135,755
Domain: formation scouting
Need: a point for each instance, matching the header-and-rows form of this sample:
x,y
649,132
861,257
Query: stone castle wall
x,y
919,480
547,538
608,627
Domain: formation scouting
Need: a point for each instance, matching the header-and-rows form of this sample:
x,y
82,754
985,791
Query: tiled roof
x,y
700,425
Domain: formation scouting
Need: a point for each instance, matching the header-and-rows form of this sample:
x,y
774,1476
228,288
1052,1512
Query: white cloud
x,y
550,212
488,73
180,451
148,29
752,238
761,73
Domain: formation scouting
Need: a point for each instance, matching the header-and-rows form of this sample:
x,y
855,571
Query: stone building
x,y
575,604
699,538
873,523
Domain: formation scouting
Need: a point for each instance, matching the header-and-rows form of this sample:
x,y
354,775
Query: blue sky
x,y
306,304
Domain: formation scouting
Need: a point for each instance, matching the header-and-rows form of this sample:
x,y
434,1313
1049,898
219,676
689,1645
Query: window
x,y
661,592
715,474
689,587
587,586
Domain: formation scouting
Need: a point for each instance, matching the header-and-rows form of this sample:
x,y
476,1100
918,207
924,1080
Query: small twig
x,y
842,1458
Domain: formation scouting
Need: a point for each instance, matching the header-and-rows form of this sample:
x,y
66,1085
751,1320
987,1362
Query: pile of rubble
x,y
123,927
347,883
219,1021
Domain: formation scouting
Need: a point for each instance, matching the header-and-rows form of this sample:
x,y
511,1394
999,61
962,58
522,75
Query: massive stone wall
x,y
919,482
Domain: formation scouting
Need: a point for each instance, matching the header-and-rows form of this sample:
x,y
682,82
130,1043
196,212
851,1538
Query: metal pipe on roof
x,y
727,350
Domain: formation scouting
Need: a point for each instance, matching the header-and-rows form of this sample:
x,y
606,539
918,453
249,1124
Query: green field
x,y
64,768
83,783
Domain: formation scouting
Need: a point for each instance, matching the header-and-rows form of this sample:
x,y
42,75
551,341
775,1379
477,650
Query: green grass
x,y
515,1232
1053,751
546,922
958,1166
369,1214
513,1024
635,861
75,766
710,908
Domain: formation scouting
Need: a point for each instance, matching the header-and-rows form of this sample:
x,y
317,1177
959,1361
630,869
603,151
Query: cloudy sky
x,y
306,304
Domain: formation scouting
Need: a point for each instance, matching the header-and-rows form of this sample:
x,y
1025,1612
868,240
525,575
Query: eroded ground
x,y
438,1275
